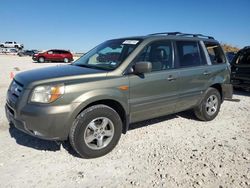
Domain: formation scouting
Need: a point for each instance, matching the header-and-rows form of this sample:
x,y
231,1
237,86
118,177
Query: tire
x,y
66,60
1,46
87,129
41,60
209,107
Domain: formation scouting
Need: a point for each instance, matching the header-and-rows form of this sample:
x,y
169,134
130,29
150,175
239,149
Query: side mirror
x,y
143,67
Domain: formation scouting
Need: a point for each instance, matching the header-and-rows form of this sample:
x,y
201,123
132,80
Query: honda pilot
x,y
92,101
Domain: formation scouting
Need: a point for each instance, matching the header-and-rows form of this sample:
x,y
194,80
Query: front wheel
x,y
209,107
96,131
41,60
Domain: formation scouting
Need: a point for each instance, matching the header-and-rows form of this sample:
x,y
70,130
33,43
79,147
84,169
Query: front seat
x,y
157,59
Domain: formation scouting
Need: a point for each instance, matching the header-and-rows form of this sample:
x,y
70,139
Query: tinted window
x,y
243,58
57,51
159,54
64,52
215,53
188,53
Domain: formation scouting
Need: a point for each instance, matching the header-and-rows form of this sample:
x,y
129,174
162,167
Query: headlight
x,y
47,93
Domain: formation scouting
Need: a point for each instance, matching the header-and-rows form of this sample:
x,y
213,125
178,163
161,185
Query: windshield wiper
x,y
82,65
91,67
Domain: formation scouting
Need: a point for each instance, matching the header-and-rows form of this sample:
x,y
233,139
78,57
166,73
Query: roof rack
x,y
166,33
182,34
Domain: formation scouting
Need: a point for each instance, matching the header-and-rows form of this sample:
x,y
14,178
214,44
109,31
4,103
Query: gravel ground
x,y
171,151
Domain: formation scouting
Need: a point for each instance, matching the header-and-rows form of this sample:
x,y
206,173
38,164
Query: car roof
x,y
174,36
245,49
58,50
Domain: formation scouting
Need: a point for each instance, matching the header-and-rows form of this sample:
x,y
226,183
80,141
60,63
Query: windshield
x,y
108,55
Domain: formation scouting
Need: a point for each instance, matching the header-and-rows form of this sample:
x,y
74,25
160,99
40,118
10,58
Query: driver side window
x,y
159,54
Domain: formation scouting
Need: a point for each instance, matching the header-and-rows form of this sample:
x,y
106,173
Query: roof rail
x,y
165,33
182,34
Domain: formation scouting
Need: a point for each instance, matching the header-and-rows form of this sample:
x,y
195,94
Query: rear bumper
x,y
240,83
227,91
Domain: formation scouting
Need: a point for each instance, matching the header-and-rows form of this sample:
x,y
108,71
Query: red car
x,y
53,55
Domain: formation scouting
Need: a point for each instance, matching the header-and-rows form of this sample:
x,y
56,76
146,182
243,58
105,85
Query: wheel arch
x,y
219,88
112,103
40,57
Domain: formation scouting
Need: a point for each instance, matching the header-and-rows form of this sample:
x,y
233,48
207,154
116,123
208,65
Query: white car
x,y
11,45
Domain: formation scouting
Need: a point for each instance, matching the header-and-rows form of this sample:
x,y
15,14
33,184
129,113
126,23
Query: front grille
x,y
16,88
10,110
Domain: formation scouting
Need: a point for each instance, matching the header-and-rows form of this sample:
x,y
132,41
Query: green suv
x,y
93,100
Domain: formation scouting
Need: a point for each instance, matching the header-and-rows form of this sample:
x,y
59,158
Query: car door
x,y
241,68
50,55
154,94
57,55
194,73
8,44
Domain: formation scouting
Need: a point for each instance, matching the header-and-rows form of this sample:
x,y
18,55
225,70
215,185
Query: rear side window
x,y
215,53
64,52
189,53
57,52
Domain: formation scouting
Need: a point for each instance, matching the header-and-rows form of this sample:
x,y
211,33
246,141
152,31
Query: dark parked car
x,y
92,101
27,52
240,66
53,55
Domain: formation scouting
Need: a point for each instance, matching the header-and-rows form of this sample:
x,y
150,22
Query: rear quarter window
x,y
215,53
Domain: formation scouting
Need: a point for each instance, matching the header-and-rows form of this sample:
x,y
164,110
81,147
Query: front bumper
x,y
45,122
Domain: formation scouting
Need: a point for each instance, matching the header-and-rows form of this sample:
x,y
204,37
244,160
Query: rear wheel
x,y
41,60
209,106
65,60
96,131
1,46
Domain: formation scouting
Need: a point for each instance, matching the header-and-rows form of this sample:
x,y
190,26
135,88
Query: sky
x,y
80,25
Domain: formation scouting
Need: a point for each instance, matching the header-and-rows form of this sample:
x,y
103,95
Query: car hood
x,y
52,73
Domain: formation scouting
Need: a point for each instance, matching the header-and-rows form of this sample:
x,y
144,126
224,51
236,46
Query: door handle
x,y
171,78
